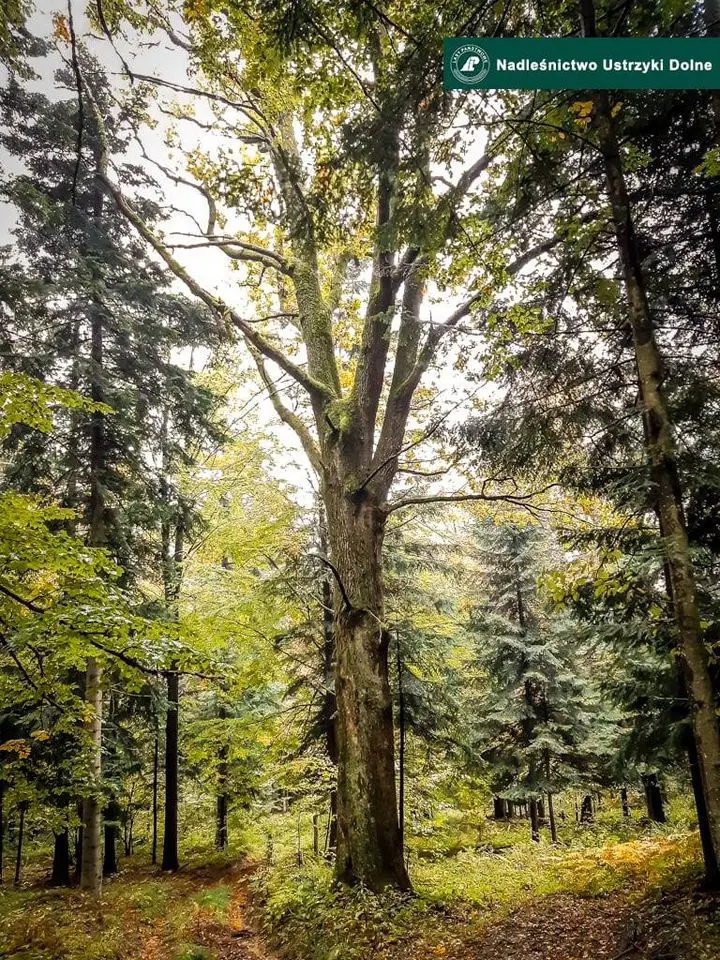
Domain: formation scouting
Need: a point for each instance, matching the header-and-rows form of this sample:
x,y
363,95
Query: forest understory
x,y
611,889
359,485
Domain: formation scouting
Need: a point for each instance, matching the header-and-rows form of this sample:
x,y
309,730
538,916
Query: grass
x,y
467,871
141,915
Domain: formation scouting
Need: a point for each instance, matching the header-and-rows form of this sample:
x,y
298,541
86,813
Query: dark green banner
x,y
658,63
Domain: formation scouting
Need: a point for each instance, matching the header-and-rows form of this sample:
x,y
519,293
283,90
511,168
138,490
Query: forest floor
x,y
603,897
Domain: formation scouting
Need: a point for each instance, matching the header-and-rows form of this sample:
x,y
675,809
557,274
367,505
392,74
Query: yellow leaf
x,y
60,28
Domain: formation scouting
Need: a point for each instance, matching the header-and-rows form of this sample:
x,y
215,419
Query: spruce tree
x,y
542,725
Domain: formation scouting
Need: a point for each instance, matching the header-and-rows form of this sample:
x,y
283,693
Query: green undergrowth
x,y
141,915
465,873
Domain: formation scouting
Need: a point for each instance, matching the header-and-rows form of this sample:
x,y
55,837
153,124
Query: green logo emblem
x,y
470,64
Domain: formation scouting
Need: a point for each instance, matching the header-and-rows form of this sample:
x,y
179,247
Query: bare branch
x,y
525,500
341,586
288,416
226,313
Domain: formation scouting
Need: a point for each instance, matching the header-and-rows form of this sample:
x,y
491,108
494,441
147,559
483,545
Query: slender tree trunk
x,y
551,816
534,821
586,809
170,831
91,869
712,871
333,829
20,840
624,801
79,842
221,805
156,769
60,876
369,841
172,576
401,750
91,872
653,798
663,463
112,829
329,700
2,830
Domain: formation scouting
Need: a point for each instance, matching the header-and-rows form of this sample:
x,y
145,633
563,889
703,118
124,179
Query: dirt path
x,y
230,936
557,928
674,927
234,938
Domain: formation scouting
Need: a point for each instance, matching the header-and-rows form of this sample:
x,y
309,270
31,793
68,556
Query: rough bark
x,y
172,566
369,840
586,809
624,802
663,462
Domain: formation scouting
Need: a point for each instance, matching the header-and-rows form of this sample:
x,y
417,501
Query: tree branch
x,y
268,349
287,416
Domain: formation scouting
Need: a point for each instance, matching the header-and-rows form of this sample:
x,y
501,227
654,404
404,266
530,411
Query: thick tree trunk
x,y
499,807
663,463
369,847
60,876
170,832
91,870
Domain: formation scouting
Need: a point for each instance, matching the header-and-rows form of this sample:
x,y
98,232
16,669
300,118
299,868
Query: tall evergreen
x,y
542,725
85,307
